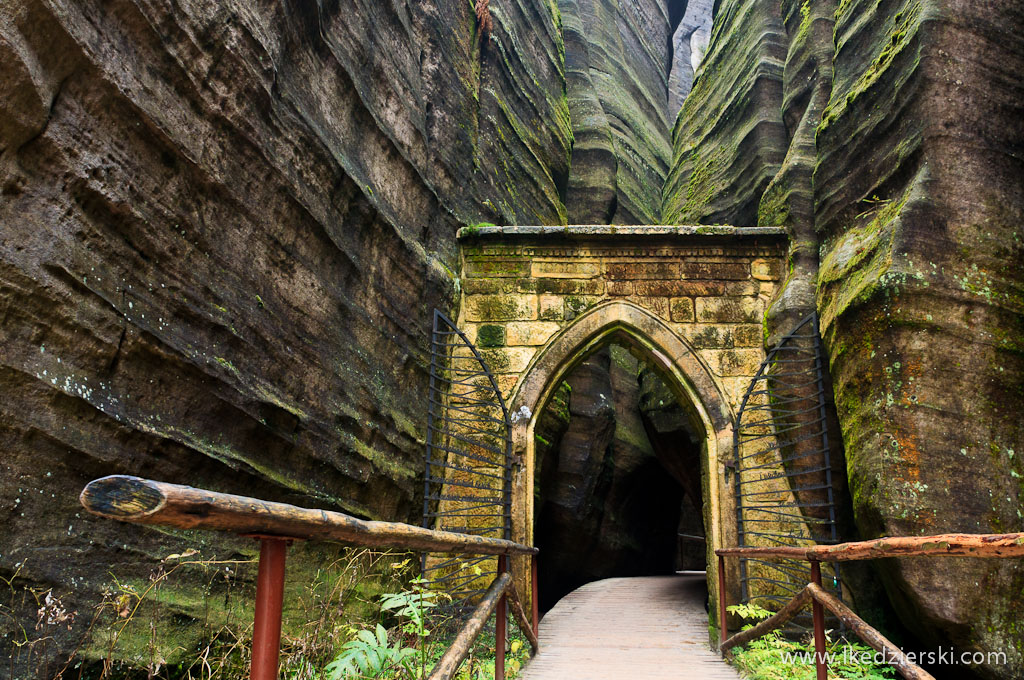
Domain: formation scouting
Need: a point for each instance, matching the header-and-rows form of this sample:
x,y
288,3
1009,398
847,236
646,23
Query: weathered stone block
x,y
660,288
681,310
765,270
566,270
490,335
577,304
741,288
748,335
551,308
507,384
501,308
715,270
509,359
497,268
658,305
677,288
620,288
734,362
561,286
722,336
709,336
486,286
735,388
529,332
642,270
729,310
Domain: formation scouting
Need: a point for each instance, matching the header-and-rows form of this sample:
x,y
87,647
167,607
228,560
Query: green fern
x,y
370,655
413,606
750,612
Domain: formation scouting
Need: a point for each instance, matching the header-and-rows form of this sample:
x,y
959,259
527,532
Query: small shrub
x,y
775,657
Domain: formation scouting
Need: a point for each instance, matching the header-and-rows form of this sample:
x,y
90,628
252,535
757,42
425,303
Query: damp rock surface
x,y
223,229
606,507
886,138
617,65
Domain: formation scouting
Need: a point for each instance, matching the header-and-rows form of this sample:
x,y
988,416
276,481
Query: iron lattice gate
x,y
784,477
468,480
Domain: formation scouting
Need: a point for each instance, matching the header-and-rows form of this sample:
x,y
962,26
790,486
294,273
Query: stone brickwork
x,y
536,299
522,285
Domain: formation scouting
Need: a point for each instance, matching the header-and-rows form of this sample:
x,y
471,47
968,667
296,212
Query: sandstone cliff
x,y
887,138
689,43
224,226
607,506
617,66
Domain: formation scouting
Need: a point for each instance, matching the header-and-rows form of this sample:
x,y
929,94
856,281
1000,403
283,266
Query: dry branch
x,y
521,618
143,501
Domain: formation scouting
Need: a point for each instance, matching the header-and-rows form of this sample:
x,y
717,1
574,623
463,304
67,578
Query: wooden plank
x,y
144,501
963,545
893,655
456,654
648,628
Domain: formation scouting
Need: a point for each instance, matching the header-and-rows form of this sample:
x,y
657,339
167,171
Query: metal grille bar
x,y
783,468
467,487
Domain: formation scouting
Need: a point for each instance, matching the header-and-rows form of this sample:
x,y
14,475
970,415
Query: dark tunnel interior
x,y
618,477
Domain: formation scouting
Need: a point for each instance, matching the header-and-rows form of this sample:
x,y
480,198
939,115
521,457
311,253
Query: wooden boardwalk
x,y
643,628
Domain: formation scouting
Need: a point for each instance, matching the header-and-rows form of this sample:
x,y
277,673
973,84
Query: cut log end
x,y
122,497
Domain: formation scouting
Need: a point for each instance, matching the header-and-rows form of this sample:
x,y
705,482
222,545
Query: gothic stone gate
x,y
536,300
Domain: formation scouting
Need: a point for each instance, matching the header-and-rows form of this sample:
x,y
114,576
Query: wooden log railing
x,y
963,545
276,525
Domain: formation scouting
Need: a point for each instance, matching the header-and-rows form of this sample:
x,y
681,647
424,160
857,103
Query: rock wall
x,y
617,64
689,43
920,205
678,448
729,138
887,138
224,226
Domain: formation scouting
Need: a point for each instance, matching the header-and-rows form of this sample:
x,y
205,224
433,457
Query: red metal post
x,y
723,626
535,595
819,626
500,624
266,634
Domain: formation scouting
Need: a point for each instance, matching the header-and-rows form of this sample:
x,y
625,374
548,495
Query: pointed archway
x,y
682,369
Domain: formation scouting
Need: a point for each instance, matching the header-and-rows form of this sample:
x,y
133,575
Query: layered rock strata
x,y
606,508
224,228
886,137
617,65
689,43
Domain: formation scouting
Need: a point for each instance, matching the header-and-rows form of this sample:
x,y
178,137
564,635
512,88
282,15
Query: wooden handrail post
x,y
266,634
821,666
535,595
723,627
500,625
